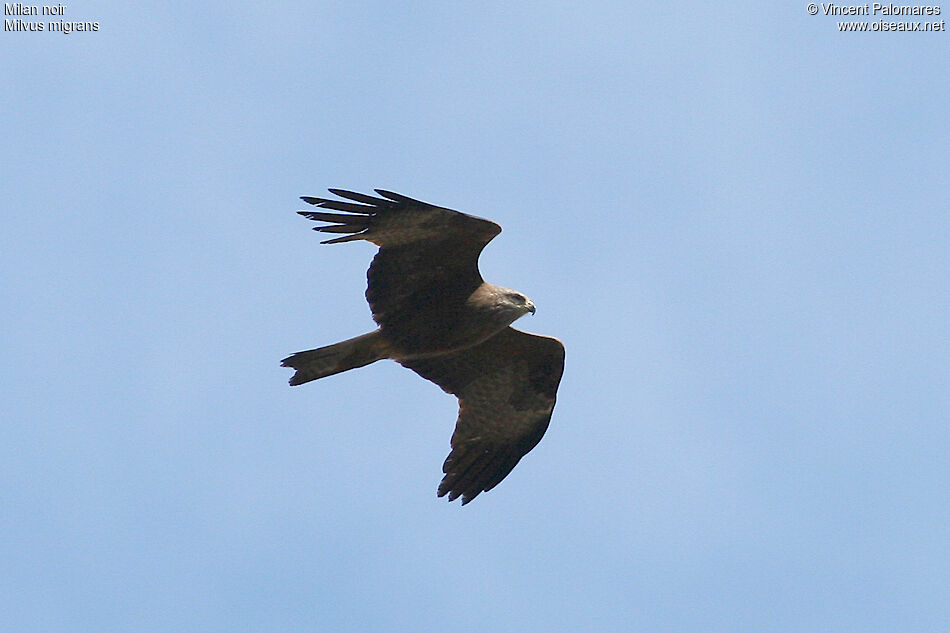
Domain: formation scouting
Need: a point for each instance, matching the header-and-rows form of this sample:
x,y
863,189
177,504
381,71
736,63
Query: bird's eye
x,y
516,298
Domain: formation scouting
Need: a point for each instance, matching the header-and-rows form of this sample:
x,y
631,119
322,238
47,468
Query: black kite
x,y
438,317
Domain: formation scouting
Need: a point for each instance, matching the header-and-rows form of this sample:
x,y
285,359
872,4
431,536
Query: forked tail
x,y
333,359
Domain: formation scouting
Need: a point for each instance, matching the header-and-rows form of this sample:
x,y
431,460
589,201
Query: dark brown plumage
x,y
438,317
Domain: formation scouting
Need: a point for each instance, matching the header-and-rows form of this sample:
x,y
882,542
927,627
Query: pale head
x,y
510,305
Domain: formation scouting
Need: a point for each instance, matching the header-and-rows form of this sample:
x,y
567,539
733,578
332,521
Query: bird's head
x,y
515,303
499,306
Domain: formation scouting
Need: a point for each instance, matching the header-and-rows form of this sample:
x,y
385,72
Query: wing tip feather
x,y
358,197
345,238
397,197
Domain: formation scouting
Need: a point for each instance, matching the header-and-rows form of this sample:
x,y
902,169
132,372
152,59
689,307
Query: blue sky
x,y
734,216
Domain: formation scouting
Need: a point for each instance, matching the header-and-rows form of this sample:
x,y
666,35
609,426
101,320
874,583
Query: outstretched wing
x,y
506,388
427,264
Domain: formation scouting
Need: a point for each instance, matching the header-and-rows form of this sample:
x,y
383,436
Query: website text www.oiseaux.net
x,y
885,14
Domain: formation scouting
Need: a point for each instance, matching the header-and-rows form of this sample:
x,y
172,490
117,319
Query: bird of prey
x,y
438,317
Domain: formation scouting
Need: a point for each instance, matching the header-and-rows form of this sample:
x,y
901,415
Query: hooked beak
x,y
529,306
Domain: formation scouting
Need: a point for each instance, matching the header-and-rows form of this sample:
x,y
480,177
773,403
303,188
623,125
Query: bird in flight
x,y
438,317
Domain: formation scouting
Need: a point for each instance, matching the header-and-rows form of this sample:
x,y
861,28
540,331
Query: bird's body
x,y
438,317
